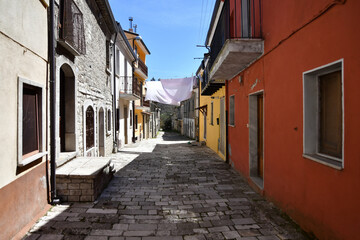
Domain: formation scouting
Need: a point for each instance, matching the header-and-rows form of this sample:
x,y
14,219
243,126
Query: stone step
x,y
83,179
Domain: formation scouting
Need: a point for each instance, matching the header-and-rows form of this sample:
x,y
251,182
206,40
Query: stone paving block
x,y
102,211
104,232
121,226
231,235
242,221
51,237
95,238
175,192
219,229
142,227
138,233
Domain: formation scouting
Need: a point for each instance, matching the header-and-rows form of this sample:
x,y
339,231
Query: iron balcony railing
x,y
137,88
145,103
143,67
239,19
126,84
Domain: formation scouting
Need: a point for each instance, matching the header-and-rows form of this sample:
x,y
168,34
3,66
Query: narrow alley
x,y
169,188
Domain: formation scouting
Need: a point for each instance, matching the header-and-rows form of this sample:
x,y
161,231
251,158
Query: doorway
x,y
67,109
101,138
256,134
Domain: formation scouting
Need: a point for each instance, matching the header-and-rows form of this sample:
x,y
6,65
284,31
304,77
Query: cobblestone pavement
x,y
167,189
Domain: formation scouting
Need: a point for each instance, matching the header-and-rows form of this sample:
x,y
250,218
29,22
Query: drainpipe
x,y
54,199
114,97
226,123
133,102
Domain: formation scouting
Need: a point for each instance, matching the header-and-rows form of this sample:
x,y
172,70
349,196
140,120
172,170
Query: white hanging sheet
x,y
170,91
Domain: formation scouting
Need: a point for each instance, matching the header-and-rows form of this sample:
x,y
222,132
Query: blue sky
x,y
171,29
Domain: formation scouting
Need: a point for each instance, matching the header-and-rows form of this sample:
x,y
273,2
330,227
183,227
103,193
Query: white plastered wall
x,y
21,56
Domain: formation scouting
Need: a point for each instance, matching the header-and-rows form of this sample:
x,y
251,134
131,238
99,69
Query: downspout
x,y
133,102
226,122
54,199
114,97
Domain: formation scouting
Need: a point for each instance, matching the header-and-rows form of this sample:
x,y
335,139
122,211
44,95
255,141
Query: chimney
x,y
131,24
135,27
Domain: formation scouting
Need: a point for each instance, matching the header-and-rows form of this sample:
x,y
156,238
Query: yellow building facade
x,y
142,108
212,121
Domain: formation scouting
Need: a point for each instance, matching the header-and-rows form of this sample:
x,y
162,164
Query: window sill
x,y
231,125
108,133
324,160
31,159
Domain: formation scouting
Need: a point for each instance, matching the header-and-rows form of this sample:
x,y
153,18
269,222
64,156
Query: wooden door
x,y
260,134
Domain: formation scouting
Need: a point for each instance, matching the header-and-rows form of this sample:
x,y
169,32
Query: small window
x,y
108,48
117,62
30,139
212,114
232,110
109,120
323,115
90,130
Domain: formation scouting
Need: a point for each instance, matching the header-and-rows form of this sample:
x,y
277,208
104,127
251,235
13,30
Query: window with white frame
x,y
232,110
30,124
323,114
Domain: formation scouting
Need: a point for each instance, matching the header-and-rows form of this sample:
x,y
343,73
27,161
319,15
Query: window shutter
x,y
73,27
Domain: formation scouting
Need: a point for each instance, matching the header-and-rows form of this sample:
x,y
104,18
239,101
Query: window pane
x,y
231,112
30,122
330,110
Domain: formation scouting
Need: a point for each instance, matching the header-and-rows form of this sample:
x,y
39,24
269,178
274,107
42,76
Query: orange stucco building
x,y
291,98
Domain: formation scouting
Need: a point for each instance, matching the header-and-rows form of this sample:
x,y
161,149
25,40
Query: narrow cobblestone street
x,y
167,188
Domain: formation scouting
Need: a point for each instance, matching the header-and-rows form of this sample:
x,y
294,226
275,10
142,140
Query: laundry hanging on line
x,y
170,91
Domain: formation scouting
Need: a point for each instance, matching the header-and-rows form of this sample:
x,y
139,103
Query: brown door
x,y
260,135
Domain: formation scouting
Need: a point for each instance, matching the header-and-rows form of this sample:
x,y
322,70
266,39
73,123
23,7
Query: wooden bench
x,y
83,179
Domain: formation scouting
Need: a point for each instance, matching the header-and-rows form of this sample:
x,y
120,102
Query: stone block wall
x,y
82,188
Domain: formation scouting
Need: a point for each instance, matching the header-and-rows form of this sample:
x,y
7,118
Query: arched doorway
x,y
101,129
67,110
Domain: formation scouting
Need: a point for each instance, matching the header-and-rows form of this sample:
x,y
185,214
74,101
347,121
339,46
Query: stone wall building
x,y
84,78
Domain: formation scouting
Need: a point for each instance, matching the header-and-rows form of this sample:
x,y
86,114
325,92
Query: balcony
x,y
235,39
126,88
209,87
141,69
145,103
137,88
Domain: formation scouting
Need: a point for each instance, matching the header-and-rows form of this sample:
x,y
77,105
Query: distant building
x,y
141,113
186,120
126,88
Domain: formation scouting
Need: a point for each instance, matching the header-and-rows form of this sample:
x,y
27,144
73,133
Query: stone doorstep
x,y
84,178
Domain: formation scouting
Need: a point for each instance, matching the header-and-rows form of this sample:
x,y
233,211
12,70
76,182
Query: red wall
x,y
22,200
321,199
